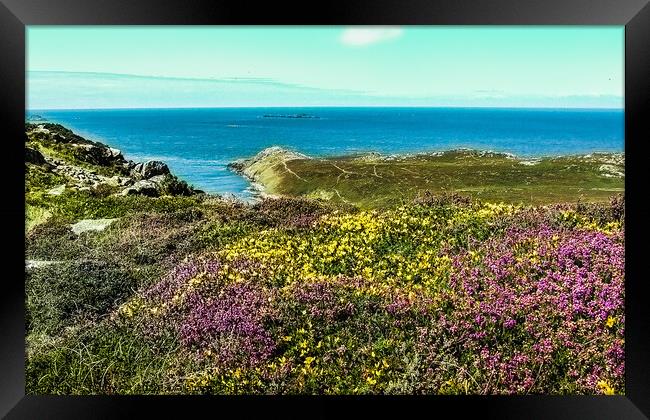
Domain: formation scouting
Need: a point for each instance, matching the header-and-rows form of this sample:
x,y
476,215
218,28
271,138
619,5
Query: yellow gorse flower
x,y
605,387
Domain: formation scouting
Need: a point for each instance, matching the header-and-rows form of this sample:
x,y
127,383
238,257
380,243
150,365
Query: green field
x,y
376,181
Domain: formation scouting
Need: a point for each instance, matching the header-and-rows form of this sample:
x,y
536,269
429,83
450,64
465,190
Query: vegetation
x,y
422,292
374,181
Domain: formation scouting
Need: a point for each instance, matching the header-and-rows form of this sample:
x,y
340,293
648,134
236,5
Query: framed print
x,y
376,207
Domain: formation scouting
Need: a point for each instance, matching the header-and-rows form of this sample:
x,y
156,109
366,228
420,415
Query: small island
x,y
299,116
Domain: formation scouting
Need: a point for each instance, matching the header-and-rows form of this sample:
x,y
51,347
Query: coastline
x,y
276,171
229,134
345,248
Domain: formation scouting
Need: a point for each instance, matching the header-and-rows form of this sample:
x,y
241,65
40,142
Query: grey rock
x,y
98,155
34,264
91,225
144,187
114,153
158,179
136,170
57,190
154,168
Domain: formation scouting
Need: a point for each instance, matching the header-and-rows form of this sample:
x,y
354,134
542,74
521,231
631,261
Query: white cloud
x,y
361,36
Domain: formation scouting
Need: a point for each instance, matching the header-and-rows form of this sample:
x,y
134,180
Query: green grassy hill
x,y
381,181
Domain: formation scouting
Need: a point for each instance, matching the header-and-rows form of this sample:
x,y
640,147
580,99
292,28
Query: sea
x,y
197,144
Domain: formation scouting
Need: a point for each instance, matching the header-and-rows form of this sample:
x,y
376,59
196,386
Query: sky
x,y
77,67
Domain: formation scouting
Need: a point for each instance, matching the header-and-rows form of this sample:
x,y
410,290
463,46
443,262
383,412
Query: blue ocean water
x,y
197,144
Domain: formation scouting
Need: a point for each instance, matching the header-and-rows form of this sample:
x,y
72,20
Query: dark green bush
x,y
174,186
53,240
59,293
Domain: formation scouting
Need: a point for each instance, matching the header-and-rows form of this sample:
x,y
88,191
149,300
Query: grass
x,y
380,183
368,275
84,338
77,205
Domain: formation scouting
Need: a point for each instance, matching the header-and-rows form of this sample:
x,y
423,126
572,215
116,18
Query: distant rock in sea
x,y
301,115
36,118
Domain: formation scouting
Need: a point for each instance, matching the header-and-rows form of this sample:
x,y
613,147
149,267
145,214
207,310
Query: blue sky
x,y
149,67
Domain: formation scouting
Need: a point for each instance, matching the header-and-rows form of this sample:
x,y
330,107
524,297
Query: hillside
x,y
163,290
374,180
63,169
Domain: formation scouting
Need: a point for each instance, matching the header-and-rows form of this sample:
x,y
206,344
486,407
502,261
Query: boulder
x,y
34,156
144,187
136,170
35,264
114,153
119,181
154,168
91,224
98,155
57,190
158,180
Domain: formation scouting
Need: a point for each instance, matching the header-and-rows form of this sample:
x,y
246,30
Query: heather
x,y
443,295
178,292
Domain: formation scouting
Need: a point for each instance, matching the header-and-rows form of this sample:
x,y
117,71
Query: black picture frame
x,y
15,15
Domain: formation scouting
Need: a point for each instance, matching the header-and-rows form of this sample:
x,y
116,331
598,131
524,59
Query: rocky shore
x,y
89,165
261,170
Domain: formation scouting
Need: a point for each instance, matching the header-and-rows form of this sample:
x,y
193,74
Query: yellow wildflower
x,y
605,387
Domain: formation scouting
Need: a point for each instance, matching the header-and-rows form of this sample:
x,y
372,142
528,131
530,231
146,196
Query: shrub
x,y
443,296
59,293
171,185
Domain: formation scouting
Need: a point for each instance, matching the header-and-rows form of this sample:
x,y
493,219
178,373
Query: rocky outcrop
x,y
149,169
107,165
55,133
98,155
34,156
612,171
79,175
150,187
